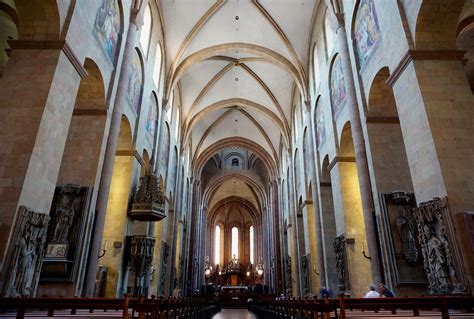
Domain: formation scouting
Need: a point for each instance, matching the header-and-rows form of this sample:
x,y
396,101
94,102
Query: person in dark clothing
x,y
325,293
384,291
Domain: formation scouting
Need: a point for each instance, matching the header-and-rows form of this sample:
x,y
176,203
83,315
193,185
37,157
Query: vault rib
x,y
286,41
195,30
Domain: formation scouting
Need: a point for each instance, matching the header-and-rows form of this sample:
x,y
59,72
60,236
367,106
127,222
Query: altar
x,y
234,296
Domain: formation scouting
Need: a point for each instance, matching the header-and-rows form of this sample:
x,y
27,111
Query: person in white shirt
x,y
372,293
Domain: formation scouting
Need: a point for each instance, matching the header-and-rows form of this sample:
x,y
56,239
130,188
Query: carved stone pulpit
x,y
149,200
141,257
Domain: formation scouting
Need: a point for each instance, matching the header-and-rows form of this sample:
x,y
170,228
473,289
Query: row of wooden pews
x,y
341,307
128,308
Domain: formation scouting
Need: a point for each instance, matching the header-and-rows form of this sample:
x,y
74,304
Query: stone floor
x,y
234,314
243,314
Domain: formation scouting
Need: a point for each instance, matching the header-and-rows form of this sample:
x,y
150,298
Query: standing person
x,y
324,292
372,293
384,291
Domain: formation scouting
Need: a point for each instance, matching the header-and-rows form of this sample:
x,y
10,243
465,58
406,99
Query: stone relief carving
x,y
165,247
433,220
340,252
305,266
181,276
27,253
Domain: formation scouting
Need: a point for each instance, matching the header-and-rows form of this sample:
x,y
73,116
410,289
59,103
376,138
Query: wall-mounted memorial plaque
x,y
399,235
67,234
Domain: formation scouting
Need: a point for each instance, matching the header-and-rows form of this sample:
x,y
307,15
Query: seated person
x,y
372,293
384,291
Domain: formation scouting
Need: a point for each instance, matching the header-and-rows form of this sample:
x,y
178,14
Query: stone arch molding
x,y
201,159
216,183
220,49
236,103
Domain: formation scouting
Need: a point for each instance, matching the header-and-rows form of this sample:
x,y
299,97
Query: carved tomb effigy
x,y
440,254
25,254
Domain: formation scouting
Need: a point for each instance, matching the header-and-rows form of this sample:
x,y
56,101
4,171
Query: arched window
x,y
235,242
217,245
329,34
235,162
157,65
252,248
146,31
316,76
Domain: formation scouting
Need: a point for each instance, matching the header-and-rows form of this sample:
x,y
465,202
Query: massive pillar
x,y
277,238
296,269
109,159
435,107
359,149
314,180
37,95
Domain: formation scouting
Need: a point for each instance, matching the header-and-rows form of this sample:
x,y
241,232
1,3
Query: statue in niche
x,y
439,261
305,268
28,253
340,252
64,214
164,267
406,232
24,259
288,275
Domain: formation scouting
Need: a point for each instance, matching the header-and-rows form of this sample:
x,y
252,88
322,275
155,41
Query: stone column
x,y
282,244
190,241
294,221
315,181
109,158
359,149
160,148
37,95
195,235
277,237
266,252
179,191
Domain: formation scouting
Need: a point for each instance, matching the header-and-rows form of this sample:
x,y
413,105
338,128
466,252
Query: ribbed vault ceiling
x,y
237,63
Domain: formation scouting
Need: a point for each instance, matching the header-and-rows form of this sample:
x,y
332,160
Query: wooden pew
x,y
438,303
145,308
21,305
312,308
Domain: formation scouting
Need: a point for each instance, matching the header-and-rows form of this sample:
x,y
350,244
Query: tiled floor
x,y
234,314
